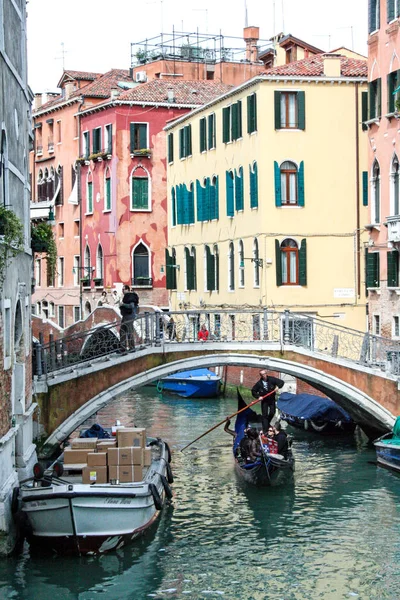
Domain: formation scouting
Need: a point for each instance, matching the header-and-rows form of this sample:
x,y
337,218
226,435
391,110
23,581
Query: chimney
x,y
115,92
332,65
251,35
171,95
37,103
69,88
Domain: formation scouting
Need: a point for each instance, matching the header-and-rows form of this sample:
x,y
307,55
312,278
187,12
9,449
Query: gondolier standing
x,y
266,384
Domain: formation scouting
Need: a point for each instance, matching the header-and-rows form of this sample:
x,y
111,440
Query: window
x,y
59,139
364,110
376,192
76,269
207,199
211,132
230,194
290,110
185,204
212,268
376,324
61,316
86,144
7,332
38,272
60,271
239,202
87,273
231,267
139,137
76,228
373,15
365,188
61,230
108,139
395,187
241,263
214,199
372,268
173,208
291,263
289,184
140,197
256,262
51,309
170,266
251,113
253,185
232,122
393,10
107,190
141,266
374,93
203,134
185,141
396,326
190,268
96,140
50,137
89,194
393,268
77,313
170,148
58,182
393,82
99,266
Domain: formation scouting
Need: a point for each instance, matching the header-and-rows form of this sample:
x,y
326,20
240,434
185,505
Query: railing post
x,y
335,346
52,350
158,336
146,327
286,331
38,357
64,353
265,324
364,356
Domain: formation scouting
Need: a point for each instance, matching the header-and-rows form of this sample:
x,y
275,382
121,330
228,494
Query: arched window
x,y
376,192
395,186
99,265
141,266
140,189
289,183
107,190
256,263
230,194
59,186
241,263
88,309
89,193
88,269
231,267
41,187
290,262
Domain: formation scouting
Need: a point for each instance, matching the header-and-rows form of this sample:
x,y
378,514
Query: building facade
x,y
17,452
381,118
266,208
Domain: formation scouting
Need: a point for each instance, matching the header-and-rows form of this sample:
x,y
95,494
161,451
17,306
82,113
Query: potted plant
x,y
11,238
85,281
141,152
42,240
98,281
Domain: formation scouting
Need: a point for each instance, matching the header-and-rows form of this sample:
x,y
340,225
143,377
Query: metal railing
x,y
226,326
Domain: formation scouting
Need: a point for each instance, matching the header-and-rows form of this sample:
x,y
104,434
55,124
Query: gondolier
x,y
267,384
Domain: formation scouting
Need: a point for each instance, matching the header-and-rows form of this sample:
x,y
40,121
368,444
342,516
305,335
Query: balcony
x,y
142,282
393,225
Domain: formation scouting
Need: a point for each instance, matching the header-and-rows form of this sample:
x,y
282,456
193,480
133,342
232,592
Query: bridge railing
x,y
227,326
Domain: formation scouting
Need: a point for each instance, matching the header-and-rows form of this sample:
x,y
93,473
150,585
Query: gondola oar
x,y
230,417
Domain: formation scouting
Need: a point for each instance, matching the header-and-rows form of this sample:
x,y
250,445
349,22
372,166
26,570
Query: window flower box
x,y
85,282
146,152
98,281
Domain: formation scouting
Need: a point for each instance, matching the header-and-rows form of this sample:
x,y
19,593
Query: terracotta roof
x,y
185,92
314,67
82,75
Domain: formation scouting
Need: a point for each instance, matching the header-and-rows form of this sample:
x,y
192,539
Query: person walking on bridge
x,y
264,385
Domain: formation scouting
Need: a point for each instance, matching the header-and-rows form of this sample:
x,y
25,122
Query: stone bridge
x,y
79,375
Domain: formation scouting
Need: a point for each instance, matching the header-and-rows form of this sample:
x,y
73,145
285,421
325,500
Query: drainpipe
x,y
358,257
80,274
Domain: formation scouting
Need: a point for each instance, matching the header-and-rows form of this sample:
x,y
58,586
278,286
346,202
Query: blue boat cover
x,y
308,406
192,374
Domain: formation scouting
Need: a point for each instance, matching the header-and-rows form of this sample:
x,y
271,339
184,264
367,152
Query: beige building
x,y
266,199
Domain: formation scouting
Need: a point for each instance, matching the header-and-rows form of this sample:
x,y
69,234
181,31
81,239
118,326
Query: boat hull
x,y
321,427
276,471
388,455
198,383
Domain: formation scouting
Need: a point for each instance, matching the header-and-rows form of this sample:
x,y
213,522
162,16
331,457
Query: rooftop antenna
x,y
352,35
202,10
62,57
161,11
246,20
283,17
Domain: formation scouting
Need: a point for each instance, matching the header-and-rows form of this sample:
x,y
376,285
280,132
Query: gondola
x,y
270,469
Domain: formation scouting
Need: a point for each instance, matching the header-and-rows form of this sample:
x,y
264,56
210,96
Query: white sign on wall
x,y
343,293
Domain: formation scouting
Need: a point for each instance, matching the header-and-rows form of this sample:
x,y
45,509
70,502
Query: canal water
x,y
333,534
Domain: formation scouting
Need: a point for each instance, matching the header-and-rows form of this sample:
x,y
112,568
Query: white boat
x,y
70,517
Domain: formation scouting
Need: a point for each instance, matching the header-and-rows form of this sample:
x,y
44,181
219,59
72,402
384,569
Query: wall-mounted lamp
x,y
258,262
51,220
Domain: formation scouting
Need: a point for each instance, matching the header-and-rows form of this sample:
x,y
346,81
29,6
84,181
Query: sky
x,y
96,36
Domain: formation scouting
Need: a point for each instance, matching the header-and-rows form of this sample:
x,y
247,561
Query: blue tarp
x,y
308,406
192,374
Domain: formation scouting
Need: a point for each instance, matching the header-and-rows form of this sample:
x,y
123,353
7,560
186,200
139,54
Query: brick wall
x,y
5,392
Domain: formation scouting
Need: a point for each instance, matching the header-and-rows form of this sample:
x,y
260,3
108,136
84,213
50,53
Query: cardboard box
x,y
81,443
147,457
97,459
126,473
125,456
104,444
131,436
94,475
75,457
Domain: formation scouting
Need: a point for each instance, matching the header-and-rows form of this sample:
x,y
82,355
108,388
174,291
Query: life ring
x,y
15,500
170,477
168,453
318,428
156,496
167,489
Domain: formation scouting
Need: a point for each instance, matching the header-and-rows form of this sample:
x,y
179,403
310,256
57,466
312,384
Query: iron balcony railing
x,y
227,326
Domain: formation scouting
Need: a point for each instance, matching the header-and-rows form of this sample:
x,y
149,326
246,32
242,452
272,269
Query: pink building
x,y
382,183
124,187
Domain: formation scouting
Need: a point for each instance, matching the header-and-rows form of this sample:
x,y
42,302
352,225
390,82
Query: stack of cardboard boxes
x,y
116,460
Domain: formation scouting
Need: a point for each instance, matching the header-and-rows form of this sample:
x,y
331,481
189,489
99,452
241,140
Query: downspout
x,y
358,239
80,274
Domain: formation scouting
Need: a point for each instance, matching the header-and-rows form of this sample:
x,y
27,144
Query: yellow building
x,y
268,194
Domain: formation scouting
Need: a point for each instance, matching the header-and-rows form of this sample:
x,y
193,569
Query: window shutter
x,y
185,204
216,270
371,98
191,204
251,113
301,110
189,270
108,193
364,110
235,121
300,182
393,268
379,96
390,10
170,147
168,270
212,192
211,131
210,270
188,129
239,189
61,179
132,137
370,15
398,10
181,143
207,200
390,90
110,134
254,186
199,198
277,99
278,263
225,125
303,262
179,208
365,188
173,202
142,137
203,146
373,270
239,119
278,195
216,199
230,209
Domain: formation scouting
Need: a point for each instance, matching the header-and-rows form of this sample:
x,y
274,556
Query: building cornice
x,y
56,107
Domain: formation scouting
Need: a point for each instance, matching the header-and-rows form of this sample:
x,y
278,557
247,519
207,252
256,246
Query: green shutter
x,y
188,135
168,270
301,110
212,195
278,263
393,268
207,200
142,136
215,208
230,209
203,143
278,195
211,131
300,183
239,119
108,193
239,204
251,113
390,10
303,262
364,110
365,188
277,100
390,90
253,186
173,202
379,96
90,197
132,137
191,204
199,201
225,125
181,143
110,134
373,270
371,98
235,121
170,147
210,275
190,279
140,193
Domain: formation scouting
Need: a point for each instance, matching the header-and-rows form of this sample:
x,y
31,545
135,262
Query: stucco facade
x,y
273,214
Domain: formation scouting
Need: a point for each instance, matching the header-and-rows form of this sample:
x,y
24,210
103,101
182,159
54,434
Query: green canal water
x,y
334,533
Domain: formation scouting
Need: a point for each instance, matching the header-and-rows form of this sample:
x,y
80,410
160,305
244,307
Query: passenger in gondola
x,y
254,451
281,438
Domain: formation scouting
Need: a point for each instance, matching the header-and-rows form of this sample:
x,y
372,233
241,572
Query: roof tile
x,y
314,67
185,92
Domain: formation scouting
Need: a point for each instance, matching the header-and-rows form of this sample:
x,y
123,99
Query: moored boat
x,y
270,468
388,448
314,413
196,383
71,517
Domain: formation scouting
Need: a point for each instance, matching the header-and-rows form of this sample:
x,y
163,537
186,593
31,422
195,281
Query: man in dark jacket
x,y
128,308
266,384
281,438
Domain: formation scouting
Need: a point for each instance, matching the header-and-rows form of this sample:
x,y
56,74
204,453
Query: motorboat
x,y
314,413
270,468
196,383
67,516
388,448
